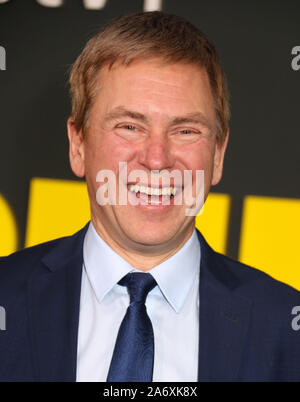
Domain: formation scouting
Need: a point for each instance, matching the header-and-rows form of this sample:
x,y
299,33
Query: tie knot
x,y
139,284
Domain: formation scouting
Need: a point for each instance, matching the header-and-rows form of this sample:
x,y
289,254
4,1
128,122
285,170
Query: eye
x,y
129,127
186,131
186,135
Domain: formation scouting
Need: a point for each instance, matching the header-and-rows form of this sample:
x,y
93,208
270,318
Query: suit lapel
x,y
223,321
53,301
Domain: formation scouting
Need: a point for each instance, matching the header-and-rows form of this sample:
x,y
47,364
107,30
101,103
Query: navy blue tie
x,y
133,355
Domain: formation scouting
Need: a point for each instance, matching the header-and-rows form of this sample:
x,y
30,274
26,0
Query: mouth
x,y
147,195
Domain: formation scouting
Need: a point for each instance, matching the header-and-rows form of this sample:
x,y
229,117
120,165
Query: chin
x,y
151,237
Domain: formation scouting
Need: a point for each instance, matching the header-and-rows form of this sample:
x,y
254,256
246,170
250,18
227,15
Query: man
x,y
138,295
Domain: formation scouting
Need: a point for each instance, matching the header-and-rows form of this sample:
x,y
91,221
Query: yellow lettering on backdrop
x,y
61,207
269,232
56,208
213,220
8,233
270,237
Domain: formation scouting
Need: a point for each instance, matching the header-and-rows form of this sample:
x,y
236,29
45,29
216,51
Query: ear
x,y
76,149
220,149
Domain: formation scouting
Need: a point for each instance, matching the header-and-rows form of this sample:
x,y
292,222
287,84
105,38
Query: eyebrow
x,y
120,111
194,118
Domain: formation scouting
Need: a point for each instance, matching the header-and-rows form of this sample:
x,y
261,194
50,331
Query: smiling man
x,y
138,295
154,116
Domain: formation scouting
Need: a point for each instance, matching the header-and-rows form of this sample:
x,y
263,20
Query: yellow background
x,y
269,229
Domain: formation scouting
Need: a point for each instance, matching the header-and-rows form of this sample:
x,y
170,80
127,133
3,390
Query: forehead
x,y
154,84
154,70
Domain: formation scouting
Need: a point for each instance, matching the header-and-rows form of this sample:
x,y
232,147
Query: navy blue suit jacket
x,y
245,317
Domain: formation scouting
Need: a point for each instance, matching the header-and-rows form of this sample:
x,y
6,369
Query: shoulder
x,y
16,268
255,282
275,305
26,259
248,282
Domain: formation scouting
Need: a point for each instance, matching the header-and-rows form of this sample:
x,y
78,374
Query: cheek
x,y
198,158
121,150
107,152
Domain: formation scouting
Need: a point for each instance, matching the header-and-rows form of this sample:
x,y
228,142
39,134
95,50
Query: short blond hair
x,y
141,36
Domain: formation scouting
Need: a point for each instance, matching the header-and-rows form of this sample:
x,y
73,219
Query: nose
x,y
157,154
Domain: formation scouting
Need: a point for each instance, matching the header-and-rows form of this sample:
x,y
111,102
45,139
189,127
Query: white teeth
x,y
135,188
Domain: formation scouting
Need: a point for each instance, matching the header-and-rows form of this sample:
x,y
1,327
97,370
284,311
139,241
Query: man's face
x,y
153,116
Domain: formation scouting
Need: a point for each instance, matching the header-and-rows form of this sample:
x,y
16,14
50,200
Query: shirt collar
x,y
174,277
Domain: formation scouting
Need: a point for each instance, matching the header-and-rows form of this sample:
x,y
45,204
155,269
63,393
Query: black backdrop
x,y
255,41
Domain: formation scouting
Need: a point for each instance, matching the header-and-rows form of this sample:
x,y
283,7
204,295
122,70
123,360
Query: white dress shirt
x,y
173,307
